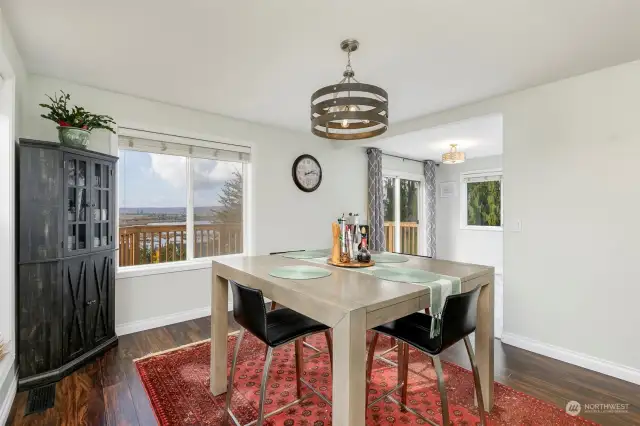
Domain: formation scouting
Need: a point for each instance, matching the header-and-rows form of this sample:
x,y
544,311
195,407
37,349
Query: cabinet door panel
x,y
74,285
39,317
102,203
77,223
39,215
99,323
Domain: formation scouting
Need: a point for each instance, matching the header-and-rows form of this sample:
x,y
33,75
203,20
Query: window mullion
x,y
396,214
191,235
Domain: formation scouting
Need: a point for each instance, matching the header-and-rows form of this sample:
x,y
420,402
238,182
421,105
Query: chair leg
x,y
263,385
370,354
273,306
400,366
476,379
327,335
443,390
231,374
405,376
299,363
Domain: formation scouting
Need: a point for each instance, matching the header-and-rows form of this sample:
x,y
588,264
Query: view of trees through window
x,y
153,207
408,199
483,203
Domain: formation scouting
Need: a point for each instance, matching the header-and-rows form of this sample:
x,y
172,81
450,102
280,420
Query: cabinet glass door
x,y
77,204
101,214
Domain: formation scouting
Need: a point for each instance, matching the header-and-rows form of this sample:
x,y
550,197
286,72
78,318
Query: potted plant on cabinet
x,y
75,124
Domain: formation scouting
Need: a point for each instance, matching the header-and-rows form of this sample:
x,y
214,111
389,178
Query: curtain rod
x,y
410,159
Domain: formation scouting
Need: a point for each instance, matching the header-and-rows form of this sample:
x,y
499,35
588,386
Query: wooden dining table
x,y
351,303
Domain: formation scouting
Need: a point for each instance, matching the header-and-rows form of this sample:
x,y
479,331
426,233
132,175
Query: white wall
x,y
570,152
284,217
11,93
402,165
464,245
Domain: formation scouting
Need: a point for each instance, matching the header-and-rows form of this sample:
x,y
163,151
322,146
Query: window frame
x,y
422,230
463,199
190,263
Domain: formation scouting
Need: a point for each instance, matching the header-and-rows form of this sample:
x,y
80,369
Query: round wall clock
x,y
307,173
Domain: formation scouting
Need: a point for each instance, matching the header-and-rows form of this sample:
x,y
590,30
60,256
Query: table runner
x,y
441,287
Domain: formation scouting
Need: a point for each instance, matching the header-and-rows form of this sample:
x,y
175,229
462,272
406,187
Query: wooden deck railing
x,y
144,244
408,237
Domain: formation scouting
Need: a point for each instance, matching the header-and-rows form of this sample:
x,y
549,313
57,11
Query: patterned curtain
x,y
430,206
376,197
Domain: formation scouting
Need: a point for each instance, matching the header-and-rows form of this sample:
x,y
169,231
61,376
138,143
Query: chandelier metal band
x,y
349,110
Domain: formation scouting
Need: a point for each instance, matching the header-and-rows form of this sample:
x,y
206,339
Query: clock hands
x,y
312,172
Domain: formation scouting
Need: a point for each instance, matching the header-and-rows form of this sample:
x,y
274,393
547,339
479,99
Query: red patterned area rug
x,y
177,383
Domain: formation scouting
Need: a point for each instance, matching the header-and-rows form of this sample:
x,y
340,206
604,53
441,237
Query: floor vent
x,y
40,399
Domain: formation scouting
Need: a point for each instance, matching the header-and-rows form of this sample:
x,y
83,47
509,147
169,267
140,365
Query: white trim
x,y
396,213
481,228
5,408
161,321
181,140
402,175
247,210
190,212
589,362
463,200
170,267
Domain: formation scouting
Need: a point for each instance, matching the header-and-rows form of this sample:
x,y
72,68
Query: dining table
x,y
351,303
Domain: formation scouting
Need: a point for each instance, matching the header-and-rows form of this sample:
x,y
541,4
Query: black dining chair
x,y
275,328
458,322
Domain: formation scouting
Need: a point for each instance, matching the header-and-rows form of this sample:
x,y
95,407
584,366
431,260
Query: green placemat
x,y
405,275
299,272
389,258
309,254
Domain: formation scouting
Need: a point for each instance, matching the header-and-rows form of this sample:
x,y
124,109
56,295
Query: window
x,y
218,208
402,213
179,201
481,200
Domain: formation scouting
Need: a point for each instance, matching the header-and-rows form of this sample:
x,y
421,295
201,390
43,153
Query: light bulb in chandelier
x,y
345,122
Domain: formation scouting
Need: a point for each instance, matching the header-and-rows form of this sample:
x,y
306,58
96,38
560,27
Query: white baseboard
x,y
589,362
154,322
5,408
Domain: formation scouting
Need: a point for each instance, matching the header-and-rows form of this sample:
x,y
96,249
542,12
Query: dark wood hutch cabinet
x,y
66,276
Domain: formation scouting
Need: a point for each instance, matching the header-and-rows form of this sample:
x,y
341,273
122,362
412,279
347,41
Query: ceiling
x,y
476,137
261,60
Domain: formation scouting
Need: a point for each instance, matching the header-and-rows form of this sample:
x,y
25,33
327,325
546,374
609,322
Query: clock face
x,y
307,173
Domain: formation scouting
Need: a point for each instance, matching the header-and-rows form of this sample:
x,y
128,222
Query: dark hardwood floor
x,y
108,391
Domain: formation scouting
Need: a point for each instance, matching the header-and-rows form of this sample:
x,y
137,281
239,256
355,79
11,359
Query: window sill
x,y
169,268
482,228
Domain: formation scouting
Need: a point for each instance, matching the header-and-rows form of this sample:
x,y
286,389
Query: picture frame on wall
x,y
447,189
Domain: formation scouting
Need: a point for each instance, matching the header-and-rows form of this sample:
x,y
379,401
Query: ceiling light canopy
x,y
454,156
349,110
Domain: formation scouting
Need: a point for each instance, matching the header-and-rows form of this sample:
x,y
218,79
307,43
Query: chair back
x,y
459,317
249,310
